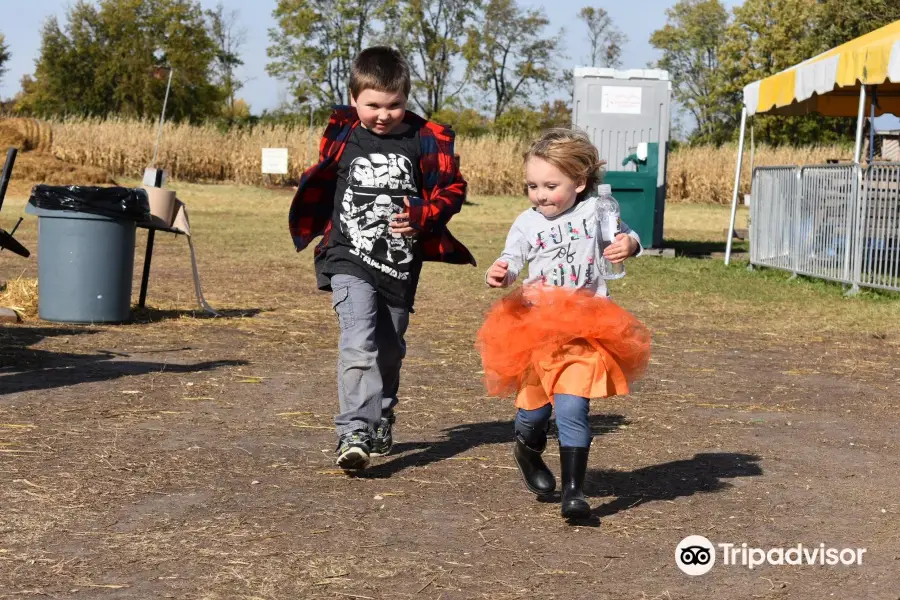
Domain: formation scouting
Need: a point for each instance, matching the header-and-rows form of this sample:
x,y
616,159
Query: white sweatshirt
x,y
561,251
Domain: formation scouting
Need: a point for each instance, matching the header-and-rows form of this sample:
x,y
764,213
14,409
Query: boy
x,y
382,193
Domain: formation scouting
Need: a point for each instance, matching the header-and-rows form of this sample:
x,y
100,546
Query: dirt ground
x,y
186,457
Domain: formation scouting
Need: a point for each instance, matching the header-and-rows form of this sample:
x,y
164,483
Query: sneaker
x,y
353,450
384,437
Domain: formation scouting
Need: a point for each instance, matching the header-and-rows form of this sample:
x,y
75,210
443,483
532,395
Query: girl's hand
x,y
496,275
624,247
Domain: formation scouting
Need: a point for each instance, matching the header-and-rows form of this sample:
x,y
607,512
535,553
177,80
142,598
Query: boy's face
x,y
380,112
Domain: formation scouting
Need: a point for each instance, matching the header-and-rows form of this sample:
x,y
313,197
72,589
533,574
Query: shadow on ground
x,y
24,369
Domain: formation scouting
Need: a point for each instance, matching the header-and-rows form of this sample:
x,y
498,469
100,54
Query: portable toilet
x,y
627,114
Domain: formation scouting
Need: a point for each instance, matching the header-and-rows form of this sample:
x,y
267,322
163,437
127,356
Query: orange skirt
x,y
542,340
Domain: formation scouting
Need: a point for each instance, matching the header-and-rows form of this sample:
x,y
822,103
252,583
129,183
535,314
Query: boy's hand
x,y
400,223
496,275
624,247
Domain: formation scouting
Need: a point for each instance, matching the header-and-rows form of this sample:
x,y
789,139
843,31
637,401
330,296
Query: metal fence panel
x,y
772,210
877,245
823,222
830,222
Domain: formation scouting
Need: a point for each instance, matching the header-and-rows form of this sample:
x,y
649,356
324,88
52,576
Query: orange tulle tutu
x,y
542,340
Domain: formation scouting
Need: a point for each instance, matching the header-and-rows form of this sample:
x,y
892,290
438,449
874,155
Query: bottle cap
x,y
605,189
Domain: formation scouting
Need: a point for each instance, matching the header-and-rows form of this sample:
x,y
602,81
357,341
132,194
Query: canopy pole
x,y
873,104
737,185
752,149
860,120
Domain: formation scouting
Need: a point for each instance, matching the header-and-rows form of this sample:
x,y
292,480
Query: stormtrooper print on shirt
x,y
375,174
377,185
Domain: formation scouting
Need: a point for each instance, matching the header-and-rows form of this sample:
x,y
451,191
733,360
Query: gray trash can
x,y
85,266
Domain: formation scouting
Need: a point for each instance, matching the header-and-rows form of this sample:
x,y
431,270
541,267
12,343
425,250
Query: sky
x,y
22,27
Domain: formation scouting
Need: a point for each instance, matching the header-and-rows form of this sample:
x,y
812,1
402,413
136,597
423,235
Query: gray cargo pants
x,y
370,353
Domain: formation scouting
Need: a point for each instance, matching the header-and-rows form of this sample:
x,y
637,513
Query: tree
x,y
509,54
605,39
315,42
228,38
4,55
556,114
517,122
691,43
113,58
466,122
526,123
431,35
766,37
839,21
239,110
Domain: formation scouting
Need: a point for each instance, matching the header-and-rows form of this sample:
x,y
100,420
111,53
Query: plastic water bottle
x,y
608,226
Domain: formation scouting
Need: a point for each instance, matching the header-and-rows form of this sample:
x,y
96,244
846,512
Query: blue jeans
x,y
571,420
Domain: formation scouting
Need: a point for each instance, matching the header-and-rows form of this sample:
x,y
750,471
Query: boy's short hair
x,y
379,68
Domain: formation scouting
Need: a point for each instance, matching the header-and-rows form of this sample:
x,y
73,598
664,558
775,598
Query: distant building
x,y
887,146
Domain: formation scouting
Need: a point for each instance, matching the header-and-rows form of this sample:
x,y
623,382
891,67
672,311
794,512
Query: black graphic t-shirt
x,y
375,173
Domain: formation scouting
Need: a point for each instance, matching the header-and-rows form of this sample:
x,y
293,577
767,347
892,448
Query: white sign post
x,y
275,161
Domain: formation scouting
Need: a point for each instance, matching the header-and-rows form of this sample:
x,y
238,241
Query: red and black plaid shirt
x,y
443,189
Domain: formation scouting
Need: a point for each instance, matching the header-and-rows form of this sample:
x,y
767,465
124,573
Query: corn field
x,y
188,152
491,165
705,174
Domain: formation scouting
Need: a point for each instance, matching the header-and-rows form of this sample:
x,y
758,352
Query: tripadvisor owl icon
x,y
695,555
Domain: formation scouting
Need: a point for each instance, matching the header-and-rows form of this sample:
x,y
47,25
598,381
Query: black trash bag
x,y
115,202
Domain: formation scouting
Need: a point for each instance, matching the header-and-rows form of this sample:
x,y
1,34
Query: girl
x,y
559,340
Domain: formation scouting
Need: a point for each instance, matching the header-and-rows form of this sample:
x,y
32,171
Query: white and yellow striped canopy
x,y
829,84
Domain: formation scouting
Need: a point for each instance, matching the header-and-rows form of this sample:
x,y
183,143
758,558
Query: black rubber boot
x,y
573,462
538,478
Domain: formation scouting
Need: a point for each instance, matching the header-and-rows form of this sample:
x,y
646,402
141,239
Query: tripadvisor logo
x,y
696,555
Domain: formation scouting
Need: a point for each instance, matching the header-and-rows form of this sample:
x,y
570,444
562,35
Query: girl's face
x,y
551,191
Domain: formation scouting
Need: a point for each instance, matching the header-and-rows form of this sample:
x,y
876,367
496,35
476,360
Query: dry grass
x,y
26,134
21,295
689,223
189,153
705,174
44,168
245,228
36,163
11,137
492,165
